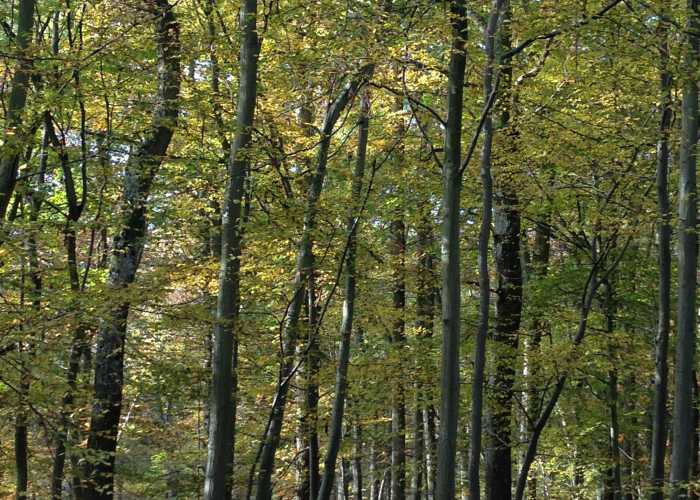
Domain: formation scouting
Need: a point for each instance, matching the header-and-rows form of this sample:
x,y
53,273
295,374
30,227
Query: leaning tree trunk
x,y
13,138
681,457
127,247
451,296
222,405
336,425
304,264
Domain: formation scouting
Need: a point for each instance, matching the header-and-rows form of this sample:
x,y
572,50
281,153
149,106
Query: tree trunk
x,y
127,248
509,301
398,403
659,424
451,293
13,138
614,472
357,460
484,282
505,338
681,458
425,311
309,360
336,424
222,411
545,413
303,265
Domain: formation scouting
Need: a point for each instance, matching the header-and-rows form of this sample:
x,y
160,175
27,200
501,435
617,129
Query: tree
x,y
681,457
127,248
225,352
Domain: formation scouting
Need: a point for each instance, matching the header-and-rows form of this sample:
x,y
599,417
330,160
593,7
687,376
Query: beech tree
x,y
362,249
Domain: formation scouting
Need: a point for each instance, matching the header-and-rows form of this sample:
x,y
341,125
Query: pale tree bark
x,y
336,424
681,456
13,137
127,249
222,411
304,264
451,293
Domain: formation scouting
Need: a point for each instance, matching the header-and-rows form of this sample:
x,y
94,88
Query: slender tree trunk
x,y
430,451
681,458
222,411
13,137
76,205
336,425
615,477
418,448
308,352
303,266
484,236
374,478
659,424
21,442
545,413
309,360
357,460
451,293
505,338
531,369
509,301
425,311
127,249
398,403
21,418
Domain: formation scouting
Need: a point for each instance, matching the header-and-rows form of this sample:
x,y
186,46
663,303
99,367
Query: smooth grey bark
x,y
659,424
450,258
13,136
304,264
484,238
222,405
681,456
127,248
336,423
